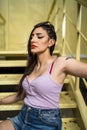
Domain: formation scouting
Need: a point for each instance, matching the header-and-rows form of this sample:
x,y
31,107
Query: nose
x,y
33,39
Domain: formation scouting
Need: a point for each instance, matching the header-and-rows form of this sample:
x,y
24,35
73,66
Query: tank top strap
x,y
51,67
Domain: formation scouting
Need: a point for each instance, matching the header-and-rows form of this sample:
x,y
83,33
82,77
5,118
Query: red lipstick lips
x,y
33,46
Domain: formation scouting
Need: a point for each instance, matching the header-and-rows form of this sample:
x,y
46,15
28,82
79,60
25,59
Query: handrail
x,y
83,36
85,82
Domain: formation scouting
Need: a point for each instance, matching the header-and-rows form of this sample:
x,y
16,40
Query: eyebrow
x,y
37,33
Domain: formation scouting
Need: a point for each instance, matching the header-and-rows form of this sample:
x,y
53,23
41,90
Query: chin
x,y
34,52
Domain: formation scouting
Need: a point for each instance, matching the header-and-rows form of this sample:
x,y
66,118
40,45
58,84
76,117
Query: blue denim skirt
x,y
37,119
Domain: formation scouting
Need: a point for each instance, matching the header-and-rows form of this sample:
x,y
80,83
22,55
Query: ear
x,y
51,42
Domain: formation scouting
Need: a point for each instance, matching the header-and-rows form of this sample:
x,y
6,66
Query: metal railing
x,y
85,82
2,32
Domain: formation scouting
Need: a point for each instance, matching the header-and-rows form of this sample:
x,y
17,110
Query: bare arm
x,y
76,68
12,98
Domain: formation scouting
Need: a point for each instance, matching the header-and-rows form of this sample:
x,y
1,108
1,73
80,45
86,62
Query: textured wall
x,y
20,16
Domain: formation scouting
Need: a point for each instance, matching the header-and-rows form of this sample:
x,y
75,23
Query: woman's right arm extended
x,y
12,98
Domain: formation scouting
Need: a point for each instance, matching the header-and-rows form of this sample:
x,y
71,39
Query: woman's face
x,y
40,41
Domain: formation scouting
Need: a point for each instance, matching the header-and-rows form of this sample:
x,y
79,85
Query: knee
x,y
6,125
1,126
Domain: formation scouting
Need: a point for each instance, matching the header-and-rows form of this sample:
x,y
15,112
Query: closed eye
x,y
40,37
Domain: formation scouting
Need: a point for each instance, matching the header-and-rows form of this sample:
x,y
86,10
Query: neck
x,y
42,59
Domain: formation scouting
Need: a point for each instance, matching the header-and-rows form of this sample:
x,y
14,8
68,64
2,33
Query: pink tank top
x,y
42,92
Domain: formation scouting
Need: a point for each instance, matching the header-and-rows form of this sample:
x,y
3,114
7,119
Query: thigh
x,y
6,125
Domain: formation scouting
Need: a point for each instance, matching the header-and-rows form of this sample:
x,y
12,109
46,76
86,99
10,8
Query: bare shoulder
x,y
64,61
60,62
60,59
71,66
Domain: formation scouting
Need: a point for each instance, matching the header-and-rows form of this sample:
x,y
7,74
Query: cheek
x,y
44,44
43,47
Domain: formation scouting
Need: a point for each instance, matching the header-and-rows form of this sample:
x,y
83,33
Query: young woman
x,y
41,83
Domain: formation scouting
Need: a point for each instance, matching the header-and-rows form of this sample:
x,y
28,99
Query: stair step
x,y
70,124
13,53
21,53
13,63
9,79
65,102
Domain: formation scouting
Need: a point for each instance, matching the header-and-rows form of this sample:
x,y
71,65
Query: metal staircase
x,y
12,66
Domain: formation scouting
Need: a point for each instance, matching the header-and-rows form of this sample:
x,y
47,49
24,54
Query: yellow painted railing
x,y
85,82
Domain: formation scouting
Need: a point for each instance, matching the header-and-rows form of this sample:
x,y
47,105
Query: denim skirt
x,y
30,118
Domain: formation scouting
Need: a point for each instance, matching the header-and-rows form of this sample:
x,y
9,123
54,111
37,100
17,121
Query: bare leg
x,y
6,125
